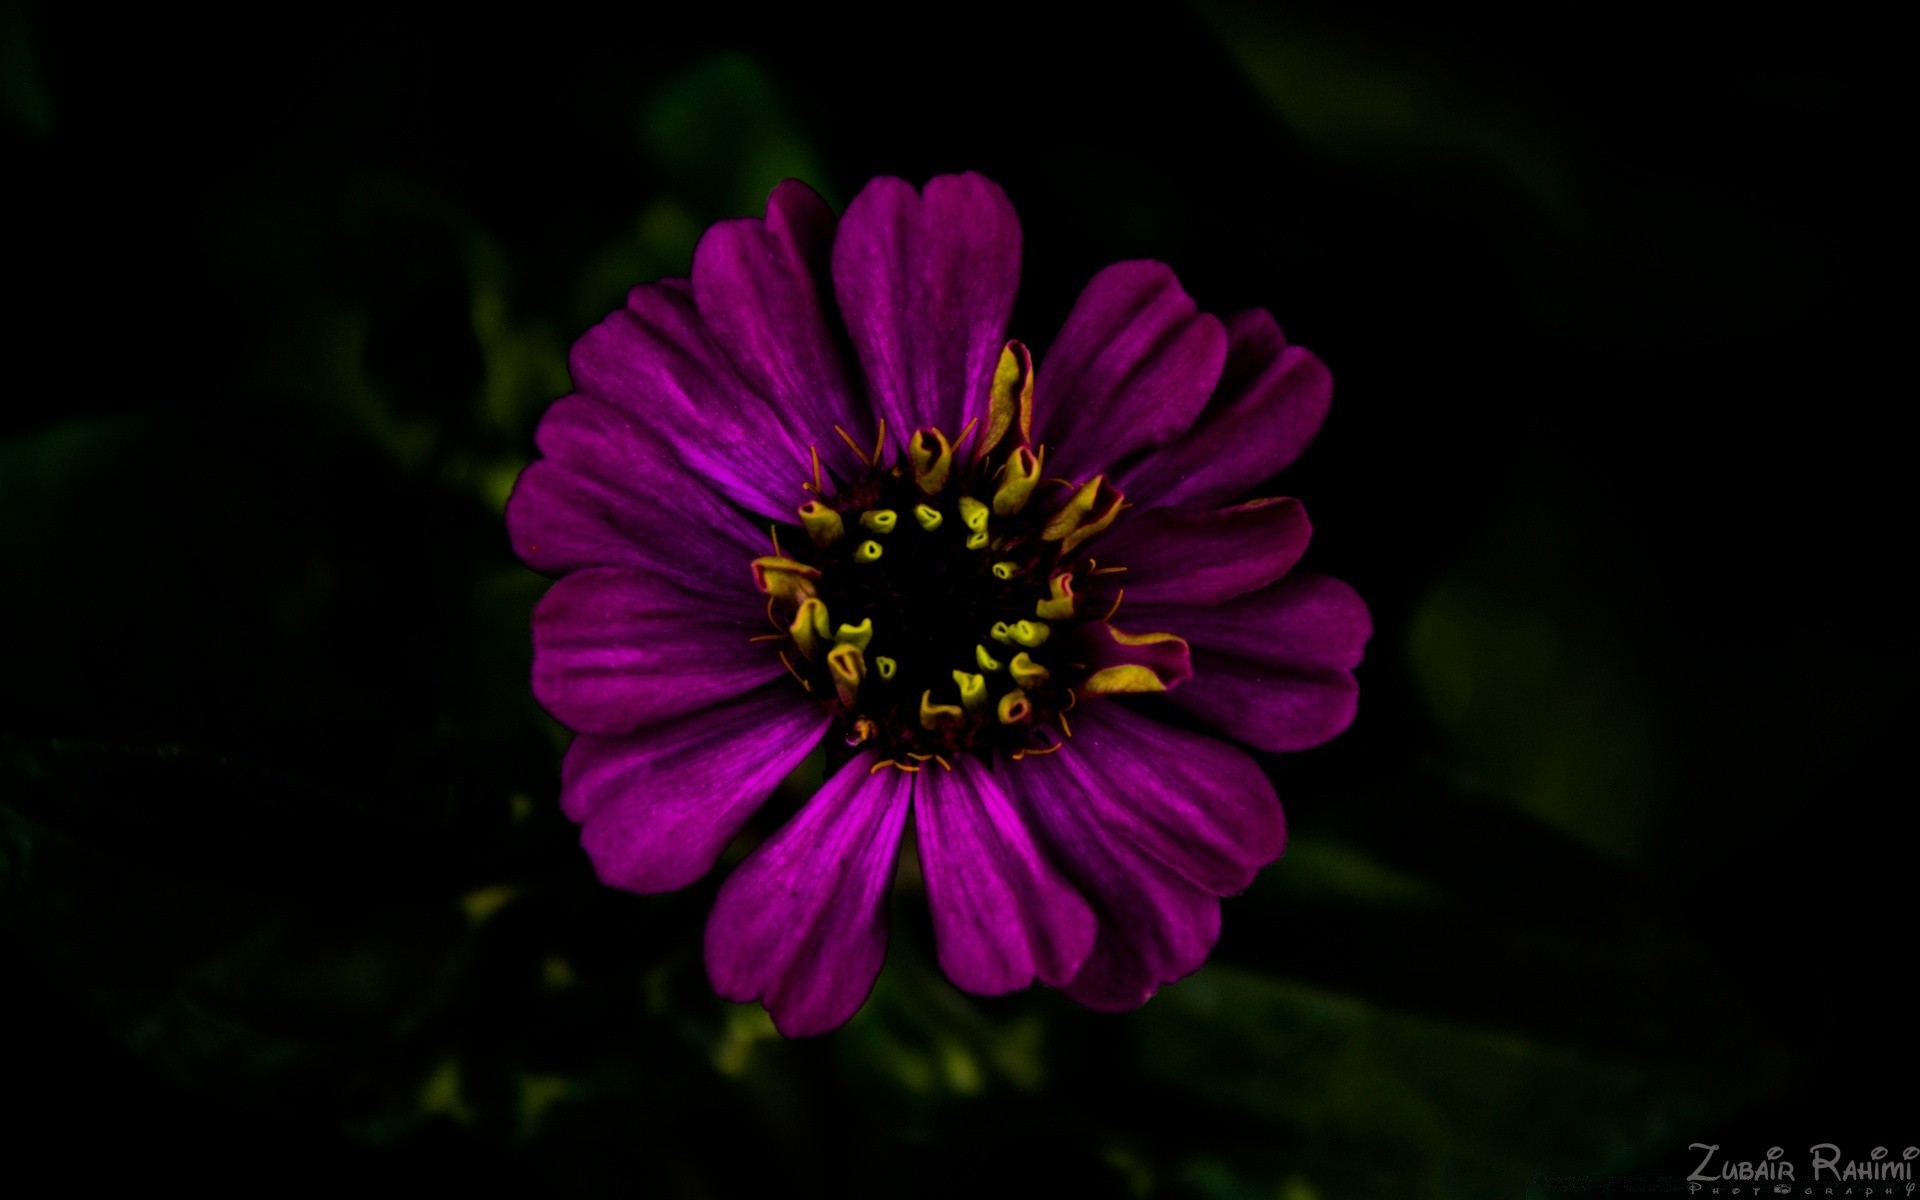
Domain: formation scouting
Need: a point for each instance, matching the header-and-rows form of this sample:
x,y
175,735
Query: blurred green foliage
x,y
282,877
1530,661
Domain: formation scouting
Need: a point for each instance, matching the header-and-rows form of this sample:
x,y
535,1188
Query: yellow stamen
x,y
1010,400
864,730
888,762
1116,605
987,661
928,516
973,691
977,541
1123,638
1014,709
1073,512
848,667
814,452
932,457
939,716
1017,755
855,447
1064,727
1090,510
1022,476
784,578
1126,679
973,514
1059,605
869,551
1005,570
810,625
885,666
856,636
879,442
880,520
1027,673
1031,634
1001,632
823,525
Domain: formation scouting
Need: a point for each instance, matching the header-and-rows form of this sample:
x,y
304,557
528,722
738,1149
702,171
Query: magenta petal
x,y
1001,915
1271,401
610,493
1150,823
1185,556
926,282
660,805
615,649
1152,925
758,287
1158,931
1132,367
801,926
1199,805
654,360
1274,668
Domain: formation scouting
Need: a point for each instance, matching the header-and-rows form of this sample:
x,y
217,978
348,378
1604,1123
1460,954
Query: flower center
x,y
934,606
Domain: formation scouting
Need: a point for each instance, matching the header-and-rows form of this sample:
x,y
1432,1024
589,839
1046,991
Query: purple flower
x,y
816,494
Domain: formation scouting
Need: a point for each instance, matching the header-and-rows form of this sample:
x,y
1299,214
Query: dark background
x,y
1616,857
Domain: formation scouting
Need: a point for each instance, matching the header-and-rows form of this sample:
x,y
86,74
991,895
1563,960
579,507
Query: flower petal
x,y
611,493
1193,802
1132,368
757,285
1274,668
926,283
615,649
658,806
801,926
1153,926
1001,915
1271,401
1180,556
1151,823
654,360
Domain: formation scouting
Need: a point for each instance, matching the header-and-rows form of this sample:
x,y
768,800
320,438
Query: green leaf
x,y
1395,110
723,131
1528,661
1366,1100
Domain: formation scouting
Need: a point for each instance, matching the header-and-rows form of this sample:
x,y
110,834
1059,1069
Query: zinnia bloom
x,y
815,494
